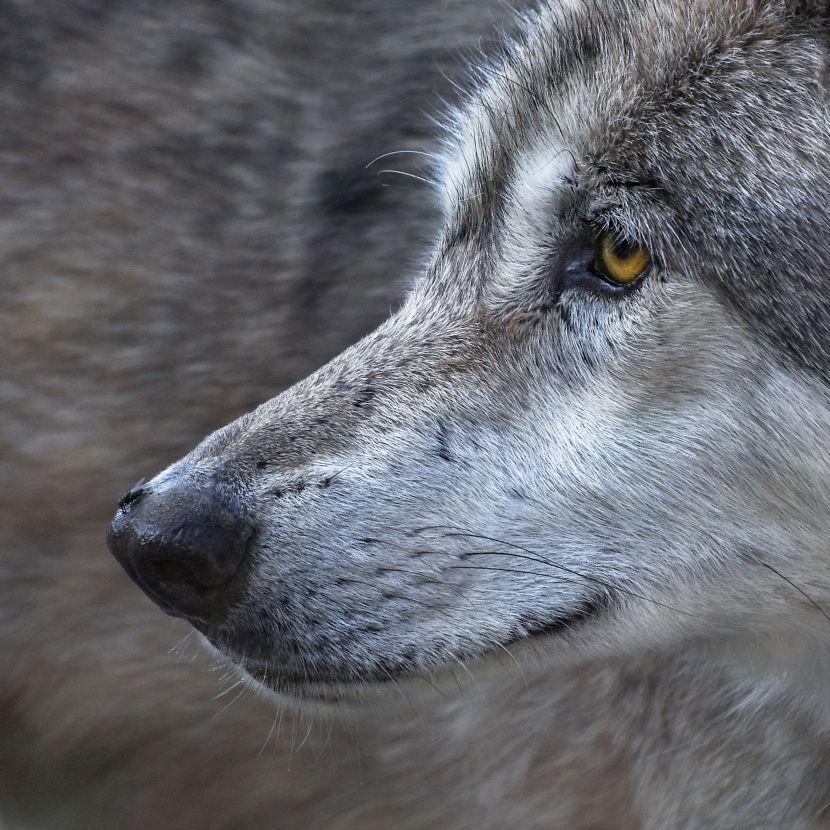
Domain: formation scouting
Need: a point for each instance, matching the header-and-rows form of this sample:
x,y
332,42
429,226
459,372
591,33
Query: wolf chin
x,y
584,471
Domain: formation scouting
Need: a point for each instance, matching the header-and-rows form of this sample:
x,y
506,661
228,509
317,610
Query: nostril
x,y
132,495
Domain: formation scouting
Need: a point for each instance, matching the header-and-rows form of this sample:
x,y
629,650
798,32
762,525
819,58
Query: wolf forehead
x,y
699,129
624,88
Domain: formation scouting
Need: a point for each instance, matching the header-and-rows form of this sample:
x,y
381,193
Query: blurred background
x,y
187,225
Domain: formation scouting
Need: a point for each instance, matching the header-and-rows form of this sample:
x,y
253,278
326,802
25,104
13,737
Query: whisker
x,y
230,703
226,691
279,723
533,96
270,731
179,647
434,581
307,734
532,556
797,588
430,683
430,580
494,567
518,665
427,605
399,153
339,473
297,716
374,585
326,744
430,182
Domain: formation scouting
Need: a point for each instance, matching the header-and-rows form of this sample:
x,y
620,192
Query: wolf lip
x,y
319,682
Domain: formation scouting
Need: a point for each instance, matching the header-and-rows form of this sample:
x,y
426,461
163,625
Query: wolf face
x,y
598,423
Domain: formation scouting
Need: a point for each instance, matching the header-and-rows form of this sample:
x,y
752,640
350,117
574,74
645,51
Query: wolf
x,y
187,205
581,475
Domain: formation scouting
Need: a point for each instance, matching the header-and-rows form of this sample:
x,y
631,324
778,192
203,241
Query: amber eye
x,y
618,260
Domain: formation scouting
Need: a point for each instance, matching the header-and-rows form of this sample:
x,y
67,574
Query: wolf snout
x,y
185,547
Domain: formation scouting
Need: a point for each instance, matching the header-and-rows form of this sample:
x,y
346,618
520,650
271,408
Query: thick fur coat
x,y
548,548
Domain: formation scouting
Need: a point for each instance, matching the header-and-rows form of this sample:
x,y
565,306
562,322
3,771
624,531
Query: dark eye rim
x,y
574,270
613,287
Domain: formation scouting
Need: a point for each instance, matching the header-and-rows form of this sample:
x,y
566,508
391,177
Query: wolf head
x,y
600,419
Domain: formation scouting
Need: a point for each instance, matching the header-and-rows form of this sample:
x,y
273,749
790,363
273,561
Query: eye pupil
x,y
623,249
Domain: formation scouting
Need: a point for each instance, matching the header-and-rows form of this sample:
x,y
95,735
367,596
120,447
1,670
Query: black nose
x,y
184,546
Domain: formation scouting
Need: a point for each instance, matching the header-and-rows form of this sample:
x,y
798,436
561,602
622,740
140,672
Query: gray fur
x,y
570,540
556,469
